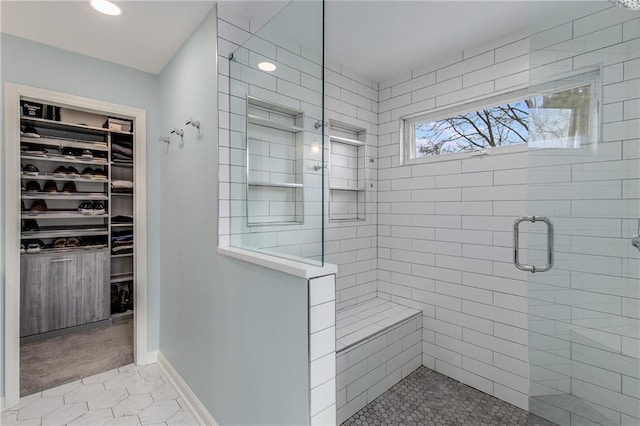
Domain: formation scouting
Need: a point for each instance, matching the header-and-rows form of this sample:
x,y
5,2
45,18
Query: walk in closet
x,y
77,222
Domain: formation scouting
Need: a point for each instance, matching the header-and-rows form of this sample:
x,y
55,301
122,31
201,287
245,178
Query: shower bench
x,y
378,343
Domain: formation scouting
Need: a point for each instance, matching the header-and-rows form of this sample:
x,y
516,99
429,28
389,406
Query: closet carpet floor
x,y
54,361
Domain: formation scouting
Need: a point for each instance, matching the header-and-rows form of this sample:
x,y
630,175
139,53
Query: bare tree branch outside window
x,y
559,119
490,127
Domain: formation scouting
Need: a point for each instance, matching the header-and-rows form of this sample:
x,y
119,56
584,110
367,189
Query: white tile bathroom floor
x,y
129,395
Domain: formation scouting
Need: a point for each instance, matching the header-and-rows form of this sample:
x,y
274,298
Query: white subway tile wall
x,y
322,350
444,230
444,227
352,245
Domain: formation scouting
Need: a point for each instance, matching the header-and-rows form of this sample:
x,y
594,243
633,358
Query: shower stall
x,y
519,269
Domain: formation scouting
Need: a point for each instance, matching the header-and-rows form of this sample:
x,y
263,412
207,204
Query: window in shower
x,y
468,131
557,117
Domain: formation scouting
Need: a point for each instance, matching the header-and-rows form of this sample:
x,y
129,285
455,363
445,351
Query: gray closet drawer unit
x,y
65,289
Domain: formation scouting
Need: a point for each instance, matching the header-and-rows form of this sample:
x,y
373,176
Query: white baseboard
x,y
151,357
200,412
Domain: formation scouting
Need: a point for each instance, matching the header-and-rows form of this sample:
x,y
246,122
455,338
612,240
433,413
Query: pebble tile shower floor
x,y
429,398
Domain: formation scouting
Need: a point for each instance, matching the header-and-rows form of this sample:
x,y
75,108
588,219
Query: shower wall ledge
x,y
287,266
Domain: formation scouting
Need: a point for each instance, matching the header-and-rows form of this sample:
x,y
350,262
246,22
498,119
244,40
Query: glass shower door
x,y
584,176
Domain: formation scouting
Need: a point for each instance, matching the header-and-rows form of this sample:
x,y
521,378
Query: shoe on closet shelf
x,y
130,285
88,172
30,170
73,242
23,249
86,155
99,174
30,132
30,225
39,206
85,208
72,171
59,243
69,152
34,246
99,242
69,188
61,171
34,152
115,299
98,207
33,186
50,186
124,301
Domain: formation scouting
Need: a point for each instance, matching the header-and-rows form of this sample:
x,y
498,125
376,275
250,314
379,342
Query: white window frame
x,y
407,136
567,81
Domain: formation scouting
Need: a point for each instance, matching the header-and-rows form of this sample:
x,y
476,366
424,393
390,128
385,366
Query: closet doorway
x,y
73,274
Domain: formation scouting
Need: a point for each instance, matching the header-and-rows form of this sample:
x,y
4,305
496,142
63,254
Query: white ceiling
x,y
381,39
146,36
377,39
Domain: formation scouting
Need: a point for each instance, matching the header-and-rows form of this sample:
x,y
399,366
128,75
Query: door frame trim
x,y
12,94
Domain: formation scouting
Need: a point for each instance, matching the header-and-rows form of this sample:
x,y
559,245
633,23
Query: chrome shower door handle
x,y
516,244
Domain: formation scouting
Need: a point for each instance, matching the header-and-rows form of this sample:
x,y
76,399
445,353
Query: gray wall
x,y
34,64
237,333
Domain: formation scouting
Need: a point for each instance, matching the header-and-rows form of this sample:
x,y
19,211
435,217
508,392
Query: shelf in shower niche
x,y
277,184
347,141
345,188
252,119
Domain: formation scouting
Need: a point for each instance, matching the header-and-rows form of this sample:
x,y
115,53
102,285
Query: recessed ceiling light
x,y
106,7
267,66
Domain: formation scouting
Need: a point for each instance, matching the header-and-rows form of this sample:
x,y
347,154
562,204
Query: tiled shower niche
x,y
347,194
275,143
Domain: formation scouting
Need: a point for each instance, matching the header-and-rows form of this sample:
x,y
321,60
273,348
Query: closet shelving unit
x,y
68,286
275,147
347,190
122,265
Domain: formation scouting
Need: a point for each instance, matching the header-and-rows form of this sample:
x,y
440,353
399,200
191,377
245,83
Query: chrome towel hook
x,y
194,123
